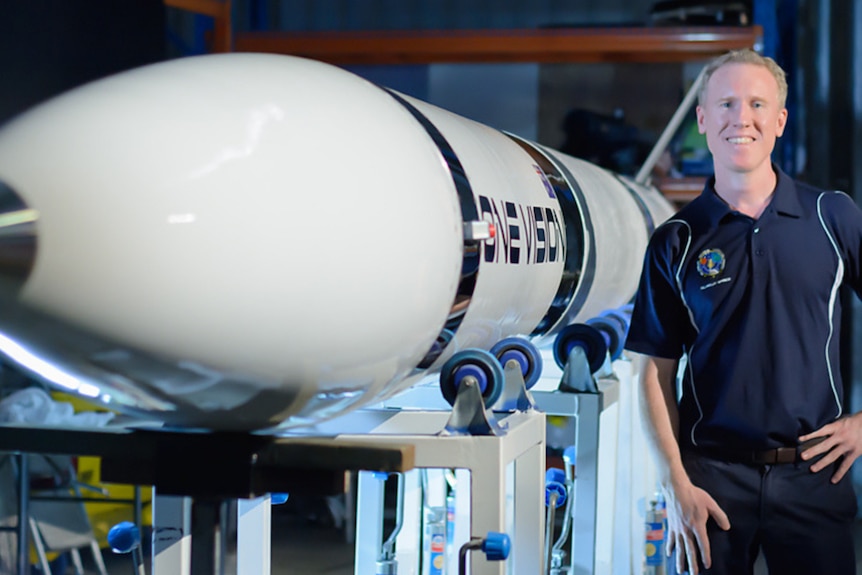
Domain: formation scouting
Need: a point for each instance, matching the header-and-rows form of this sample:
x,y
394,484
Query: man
x,y
738,300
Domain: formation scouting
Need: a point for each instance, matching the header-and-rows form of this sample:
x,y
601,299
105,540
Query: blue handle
x,y
278,498
555,487
570,455
496,546
124,537
555,474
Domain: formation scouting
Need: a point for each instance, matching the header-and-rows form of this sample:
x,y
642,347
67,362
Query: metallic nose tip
x,y
17,241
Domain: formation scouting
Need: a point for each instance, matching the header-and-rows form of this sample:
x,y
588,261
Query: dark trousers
x,y
799,519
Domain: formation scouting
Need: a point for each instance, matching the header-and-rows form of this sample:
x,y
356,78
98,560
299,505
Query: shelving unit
x,y
570,45
552,45
562,45
219,11
680,191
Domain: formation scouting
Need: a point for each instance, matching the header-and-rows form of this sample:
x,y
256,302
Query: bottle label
x,y
654,540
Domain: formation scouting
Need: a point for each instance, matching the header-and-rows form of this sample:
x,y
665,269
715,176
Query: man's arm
x,y
842,439
688,506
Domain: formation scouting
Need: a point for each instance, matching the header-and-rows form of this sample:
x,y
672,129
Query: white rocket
x,y
239,241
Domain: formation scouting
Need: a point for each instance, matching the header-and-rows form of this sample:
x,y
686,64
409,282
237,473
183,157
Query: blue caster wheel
x,y
479,364
443,339
437,348
584,336
619,315
525,353
613,332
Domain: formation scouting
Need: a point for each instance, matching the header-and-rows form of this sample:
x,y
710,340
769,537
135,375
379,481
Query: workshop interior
x,y
342,286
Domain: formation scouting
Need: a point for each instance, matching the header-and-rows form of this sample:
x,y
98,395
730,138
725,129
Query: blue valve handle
x,y
555,487
278,498
124,537
555,474
570,455
496,547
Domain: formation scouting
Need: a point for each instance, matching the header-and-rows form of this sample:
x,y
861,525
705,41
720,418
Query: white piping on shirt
x,y
688,350
833,295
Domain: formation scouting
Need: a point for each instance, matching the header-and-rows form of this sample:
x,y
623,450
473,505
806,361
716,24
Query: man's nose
x,y
743,115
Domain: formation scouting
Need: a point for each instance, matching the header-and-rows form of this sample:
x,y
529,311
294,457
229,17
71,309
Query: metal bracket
x,y
577,376
469,414
515,395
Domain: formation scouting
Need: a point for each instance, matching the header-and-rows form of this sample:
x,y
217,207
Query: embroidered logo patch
x,y
710,263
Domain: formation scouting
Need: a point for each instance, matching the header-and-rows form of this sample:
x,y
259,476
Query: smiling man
x,y
737,319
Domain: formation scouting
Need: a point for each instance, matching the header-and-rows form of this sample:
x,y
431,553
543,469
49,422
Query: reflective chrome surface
x,y
470,266
133,382
579,265
17,240
71,359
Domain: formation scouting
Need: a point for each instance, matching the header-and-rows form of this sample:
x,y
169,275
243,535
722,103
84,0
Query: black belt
x,y
758,456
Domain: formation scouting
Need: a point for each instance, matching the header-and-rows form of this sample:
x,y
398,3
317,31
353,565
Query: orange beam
x,y
674,44
220,11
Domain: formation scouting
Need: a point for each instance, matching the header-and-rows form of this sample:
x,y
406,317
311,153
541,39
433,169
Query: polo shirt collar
x,y
784,201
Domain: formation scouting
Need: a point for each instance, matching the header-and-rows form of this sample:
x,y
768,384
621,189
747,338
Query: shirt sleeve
x,y
661,324
846,222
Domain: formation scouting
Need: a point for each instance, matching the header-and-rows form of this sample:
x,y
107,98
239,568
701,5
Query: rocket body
x,y
242,241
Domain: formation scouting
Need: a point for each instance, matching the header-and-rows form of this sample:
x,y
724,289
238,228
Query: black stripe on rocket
x,y
469,213
579,267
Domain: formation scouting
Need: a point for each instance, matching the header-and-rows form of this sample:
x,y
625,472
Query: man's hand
x,y
842,439
688,509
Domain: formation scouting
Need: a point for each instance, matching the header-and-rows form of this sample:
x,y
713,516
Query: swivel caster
x,y
613,333
476,367
523,353
471,381
584,336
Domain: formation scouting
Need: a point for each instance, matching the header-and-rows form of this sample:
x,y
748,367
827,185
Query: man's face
x,y
741,117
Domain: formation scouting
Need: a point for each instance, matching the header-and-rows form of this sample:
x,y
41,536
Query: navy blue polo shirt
x,y
752,307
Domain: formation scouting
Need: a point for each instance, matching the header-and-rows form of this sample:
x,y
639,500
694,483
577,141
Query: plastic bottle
x,y
654,545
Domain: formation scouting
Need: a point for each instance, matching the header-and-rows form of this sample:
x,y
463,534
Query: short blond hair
x,y
745,56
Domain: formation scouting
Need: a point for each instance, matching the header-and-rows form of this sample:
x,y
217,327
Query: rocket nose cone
x,y
17,241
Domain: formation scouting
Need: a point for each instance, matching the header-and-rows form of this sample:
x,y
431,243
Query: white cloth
x,y
34,406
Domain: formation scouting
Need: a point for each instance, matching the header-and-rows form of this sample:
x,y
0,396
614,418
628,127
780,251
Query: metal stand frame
x,y
506,483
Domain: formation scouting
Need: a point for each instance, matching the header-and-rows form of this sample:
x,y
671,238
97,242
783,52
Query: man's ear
x,y
701,126
782,122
